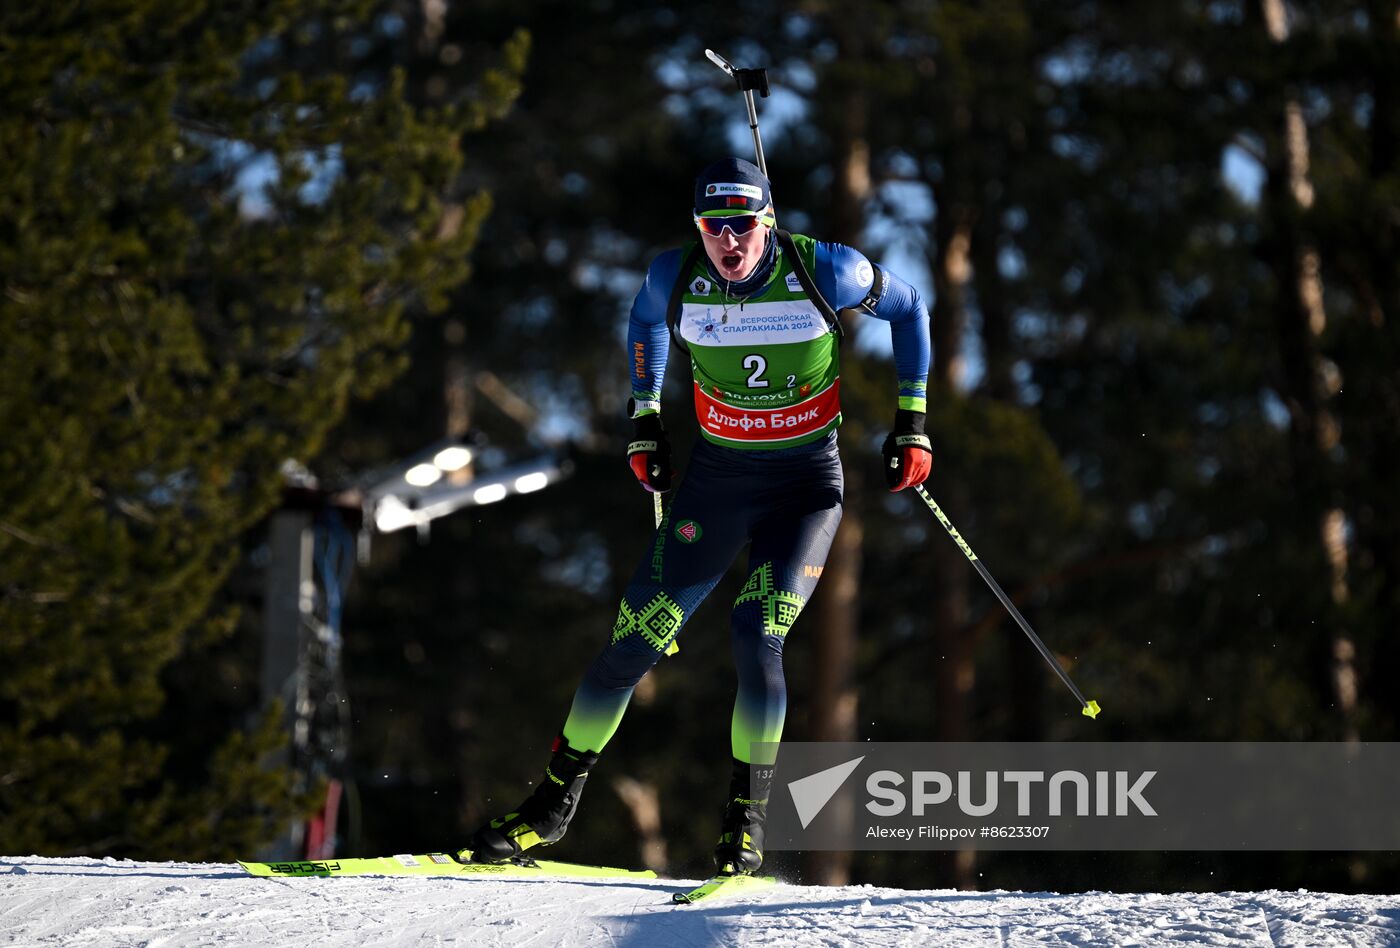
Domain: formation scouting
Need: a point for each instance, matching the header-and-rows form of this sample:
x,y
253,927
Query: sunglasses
x,y
740,224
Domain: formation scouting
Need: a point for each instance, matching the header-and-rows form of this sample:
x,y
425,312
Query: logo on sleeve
x,y
688,531
865,274
701,287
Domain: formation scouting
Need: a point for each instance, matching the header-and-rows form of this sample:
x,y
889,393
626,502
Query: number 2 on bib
x,y
758,364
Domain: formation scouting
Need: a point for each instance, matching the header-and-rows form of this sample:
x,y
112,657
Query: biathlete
x,y
755,308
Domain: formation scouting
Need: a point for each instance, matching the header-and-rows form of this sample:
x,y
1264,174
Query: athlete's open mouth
x,y
731,261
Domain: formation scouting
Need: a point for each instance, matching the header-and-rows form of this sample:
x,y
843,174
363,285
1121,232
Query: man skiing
x,y
755,310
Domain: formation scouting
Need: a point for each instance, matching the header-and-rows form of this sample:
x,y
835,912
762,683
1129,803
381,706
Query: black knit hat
x,y
732,184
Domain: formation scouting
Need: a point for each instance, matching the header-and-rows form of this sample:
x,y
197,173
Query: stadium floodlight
x,y
529,483
392,514
423,469
423,475
395,508
451,459
489,494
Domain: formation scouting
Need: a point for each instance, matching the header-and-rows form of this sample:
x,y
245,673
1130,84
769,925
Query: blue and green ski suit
x,y
766,472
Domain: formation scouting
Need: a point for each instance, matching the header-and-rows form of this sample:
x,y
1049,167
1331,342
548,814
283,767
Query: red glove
x,y
907,451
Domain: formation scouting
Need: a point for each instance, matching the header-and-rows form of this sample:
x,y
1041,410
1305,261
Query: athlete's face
x,y
735,256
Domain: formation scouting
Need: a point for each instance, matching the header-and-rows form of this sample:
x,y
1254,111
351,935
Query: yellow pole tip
x,y
1091,710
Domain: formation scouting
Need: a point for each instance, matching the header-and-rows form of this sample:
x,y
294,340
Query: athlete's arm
x,y
648,345
844,276
849,277
648,338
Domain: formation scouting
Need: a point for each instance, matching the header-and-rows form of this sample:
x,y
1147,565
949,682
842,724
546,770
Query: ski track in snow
x,y
105,902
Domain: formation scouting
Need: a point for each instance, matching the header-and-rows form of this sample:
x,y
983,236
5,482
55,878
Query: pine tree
x,y
213,223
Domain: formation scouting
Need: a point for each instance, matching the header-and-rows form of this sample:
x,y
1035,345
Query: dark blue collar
x,y
755,280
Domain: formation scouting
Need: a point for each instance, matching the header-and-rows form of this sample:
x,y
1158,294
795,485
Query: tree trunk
x,y
991,305
1379,287
835,699
644,806
952,271
955,673
1025,671
835,624
951,262
1310,379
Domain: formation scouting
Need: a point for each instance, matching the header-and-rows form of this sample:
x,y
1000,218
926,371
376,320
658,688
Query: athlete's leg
x,y
691,549
698,539
789,552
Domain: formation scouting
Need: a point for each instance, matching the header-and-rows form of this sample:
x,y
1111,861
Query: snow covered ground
x,y
79,902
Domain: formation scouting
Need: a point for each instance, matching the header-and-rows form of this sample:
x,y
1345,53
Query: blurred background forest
x,y
1159,241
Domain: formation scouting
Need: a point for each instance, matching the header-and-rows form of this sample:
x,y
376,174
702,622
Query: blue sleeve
x,y
844,277
648,338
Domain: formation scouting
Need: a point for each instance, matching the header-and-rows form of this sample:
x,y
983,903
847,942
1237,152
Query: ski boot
x,y
545,814
740,847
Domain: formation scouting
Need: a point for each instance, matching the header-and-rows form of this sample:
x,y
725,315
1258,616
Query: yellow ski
x,y
438,864
722,885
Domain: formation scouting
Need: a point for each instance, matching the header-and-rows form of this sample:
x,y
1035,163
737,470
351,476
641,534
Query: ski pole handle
x,y
750,81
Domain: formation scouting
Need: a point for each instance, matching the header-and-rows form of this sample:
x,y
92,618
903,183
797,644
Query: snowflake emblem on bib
x,y
706,327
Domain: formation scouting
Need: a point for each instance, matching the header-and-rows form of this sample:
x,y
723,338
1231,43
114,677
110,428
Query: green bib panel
x,y
767,370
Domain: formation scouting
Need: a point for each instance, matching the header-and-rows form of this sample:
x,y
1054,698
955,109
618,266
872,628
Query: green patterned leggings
x,y
787,505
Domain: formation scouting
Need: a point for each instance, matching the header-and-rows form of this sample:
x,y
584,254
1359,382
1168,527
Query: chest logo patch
x,y
701,287
793,283
706,327
771,322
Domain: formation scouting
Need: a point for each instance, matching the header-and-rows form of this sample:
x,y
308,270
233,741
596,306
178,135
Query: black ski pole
x,y
1090,709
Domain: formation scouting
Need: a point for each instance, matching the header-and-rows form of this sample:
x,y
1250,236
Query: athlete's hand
x,y
649,453
907,452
